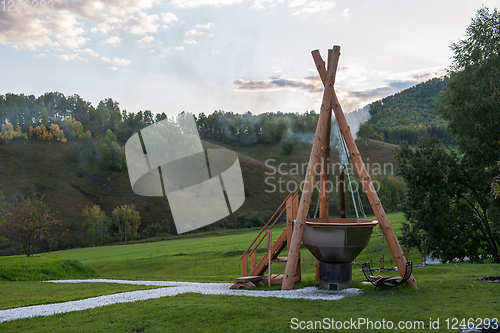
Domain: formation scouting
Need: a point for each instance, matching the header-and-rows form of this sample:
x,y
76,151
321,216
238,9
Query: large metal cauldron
x,y
337,240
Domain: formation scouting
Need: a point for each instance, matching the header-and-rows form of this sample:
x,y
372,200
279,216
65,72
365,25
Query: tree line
x,y
28,223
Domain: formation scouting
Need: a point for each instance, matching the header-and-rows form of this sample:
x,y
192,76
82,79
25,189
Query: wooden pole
x,y
341,192
375,203
305,200
324,196
270,257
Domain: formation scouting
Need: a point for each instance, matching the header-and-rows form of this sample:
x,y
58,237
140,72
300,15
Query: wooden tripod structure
x,y
322,141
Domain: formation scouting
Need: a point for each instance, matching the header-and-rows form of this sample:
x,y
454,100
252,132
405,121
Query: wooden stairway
x,y
257,269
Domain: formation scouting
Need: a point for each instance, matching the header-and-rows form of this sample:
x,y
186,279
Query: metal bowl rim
x,y
340,223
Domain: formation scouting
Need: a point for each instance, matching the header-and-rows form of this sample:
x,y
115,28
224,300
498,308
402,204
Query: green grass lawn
x,y
209,259
27,293
446,291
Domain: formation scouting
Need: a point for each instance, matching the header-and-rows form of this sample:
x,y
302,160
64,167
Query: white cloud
x,y
193,32
345,13
93,54
168,18
68,30
147,39
216,52
179,48
116,61
124,7
198,3
312,6
145,24
68,57
113,68
261,4
30,33
113,41
206,26
191,42
297,3
90,9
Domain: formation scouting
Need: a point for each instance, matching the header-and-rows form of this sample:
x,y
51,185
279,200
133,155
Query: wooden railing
x,y
287,206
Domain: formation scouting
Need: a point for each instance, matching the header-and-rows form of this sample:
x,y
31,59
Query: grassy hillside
x,y
410,114
32,167
373,152
20,268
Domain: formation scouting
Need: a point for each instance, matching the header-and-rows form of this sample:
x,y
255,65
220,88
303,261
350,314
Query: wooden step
x,y
279,260
247,282
277,278
249,278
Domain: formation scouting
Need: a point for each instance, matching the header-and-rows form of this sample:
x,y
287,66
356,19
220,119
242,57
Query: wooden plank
x,y
279,260
365,178
278,278
289,222
248,279
305,200
253,259
244,266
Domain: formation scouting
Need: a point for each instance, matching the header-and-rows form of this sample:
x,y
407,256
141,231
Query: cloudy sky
x,y
233,55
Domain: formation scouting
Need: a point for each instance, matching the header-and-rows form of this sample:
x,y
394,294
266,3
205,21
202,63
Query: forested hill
x,y
407,115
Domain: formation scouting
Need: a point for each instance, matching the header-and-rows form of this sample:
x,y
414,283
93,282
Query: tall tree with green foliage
x,y
450,206
27,222
95,225
111,154
126,218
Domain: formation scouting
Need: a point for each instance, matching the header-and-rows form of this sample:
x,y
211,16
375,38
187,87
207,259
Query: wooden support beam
x,y
244,266
341,185
253,259
324,196
289,222
270,257
373,198
305,200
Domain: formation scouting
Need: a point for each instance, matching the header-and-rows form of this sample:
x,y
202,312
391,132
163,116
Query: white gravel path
x,y
173,288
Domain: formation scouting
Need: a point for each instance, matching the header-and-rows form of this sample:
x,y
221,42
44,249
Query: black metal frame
x,y
384,283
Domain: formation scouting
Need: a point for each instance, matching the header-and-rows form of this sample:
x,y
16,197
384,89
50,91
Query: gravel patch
x,y
172,289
